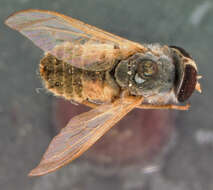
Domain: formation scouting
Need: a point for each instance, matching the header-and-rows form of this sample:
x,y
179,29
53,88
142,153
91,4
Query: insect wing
x,y
82,132
71,40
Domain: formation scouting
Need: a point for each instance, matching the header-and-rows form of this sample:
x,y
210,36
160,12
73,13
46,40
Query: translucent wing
x,y
82,132
71,40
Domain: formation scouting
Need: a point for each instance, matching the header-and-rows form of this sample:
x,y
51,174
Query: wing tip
x,y
34,172
7,20
39,171
13,15
43,168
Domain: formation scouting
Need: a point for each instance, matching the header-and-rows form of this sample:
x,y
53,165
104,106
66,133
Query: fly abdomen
x,y
76,84
59,77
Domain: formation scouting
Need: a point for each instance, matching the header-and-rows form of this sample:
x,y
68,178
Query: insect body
x,y
108,73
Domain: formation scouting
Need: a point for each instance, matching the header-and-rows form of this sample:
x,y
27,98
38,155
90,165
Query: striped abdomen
x,y
76,84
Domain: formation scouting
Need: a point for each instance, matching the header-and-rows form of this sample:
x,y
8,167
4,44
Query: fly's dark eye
x,y
147,69
183,51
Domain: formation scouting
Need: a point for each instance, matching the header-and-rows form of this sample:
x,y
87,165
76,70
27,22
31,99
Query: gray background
x,y
25,114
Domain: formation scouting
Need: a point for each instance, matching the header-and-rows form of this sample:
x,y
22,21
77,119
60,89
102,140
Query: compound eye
x,y
147,69
183,51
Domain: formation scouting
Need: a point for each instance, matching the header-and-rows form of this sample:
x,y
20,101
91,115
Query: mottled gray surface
x,y
25,114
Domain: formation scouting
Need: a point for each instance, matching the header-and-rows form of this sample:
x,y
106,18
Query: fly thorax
x,y
146,74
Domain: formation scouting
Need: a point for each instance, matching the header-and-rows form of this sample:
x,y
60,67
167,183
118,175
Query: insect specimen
x,y
108,73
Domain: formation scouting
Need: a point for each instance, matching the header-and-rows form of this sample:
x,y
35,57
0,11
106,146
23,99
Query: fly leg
x,y
89,104
166,106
